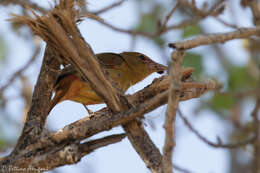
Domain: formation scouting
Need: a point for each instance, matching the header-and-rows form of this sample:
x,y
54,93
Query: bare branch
x,y
173,101
212,144
215,38
87,147
126,31
254,5
114,5
19,72
24,4
167,18
71,153
143,145
226,23
180,169
38,112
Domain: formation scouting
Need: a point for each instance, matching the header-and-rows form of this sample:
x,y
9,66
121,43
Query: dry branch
x,y
212,144
35,121
215,38
173,102
24,4
19,72
116,4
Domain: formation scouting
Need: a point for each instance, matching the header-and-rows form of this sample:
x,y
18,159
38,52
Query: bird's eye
x,y
142,57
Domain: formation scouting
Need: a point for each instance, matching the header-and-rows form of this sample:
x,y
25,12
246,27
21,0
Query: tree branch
x,y
24,4
173,101
19,72
116,4
212,144
215,38
35,121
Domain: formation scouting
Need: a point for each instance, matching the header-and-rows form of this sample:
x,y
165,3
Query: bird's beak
x,y
157,67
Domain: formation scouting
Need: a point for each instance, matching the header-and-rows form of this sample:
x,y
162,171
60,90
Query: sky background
x,y
190,152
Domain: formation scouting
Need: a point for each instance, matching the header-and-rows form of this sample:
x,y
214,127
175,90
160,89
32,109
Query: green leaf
x,y
191,31
239,78
195,61
148,23
220,101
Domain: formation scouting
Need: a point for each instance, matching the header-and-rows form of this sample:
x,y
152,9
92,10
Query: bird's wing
x,y
111,60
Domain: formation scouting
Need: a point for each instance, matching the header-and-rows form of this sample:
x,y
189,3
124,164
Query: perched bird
x,y
125,69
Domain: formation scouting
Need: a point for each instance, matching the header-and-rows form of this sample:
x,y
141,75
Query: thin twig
x,y
126,31
24,4
183,24
180,169
89,146
212,144
19,72
116,4
167,18
226,23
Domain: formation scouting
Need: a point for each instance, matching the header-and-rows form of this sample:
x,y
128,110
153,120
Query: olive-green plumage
x,y
125,69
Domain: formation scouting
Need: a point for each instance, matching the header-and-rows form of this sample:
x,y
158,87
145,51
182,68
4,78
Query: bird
x,y
125,69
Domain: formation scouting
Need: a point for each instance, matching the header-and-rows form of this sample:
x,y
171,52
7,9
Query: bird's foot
x,y
91,113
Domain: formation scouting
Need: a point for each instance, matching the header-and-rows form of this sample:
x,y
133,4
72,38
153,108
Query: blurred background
x,y
224,114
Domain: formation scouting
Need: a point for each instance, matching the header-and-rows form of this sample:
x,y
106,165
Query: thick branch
x,y
37,114
173,102
73,152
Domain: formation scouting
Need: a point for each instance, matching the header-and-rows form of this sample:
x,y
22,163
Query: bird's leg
x,y
89,111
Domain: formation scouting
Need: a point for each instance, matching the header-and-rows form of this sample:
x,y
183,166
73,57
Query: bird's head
x,y
142,63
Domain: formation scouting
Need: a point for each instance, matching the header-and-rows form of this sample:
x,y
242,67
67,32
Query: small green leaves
x,y
239,79
191,31
193,60
221,101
